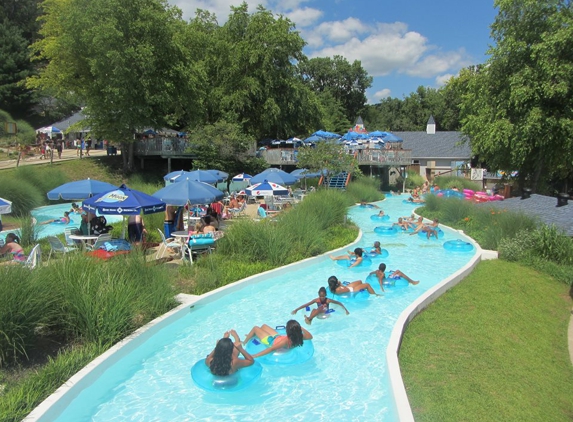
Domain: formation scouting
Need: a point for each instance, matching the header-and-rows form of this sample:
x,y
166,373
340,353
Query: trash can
x,y
507,191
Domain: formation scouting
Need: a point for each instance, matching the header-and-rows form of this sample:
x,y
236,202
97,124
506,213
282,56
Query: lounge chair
x,y
165,244
57,246
235,212
67,232
101,239
34,258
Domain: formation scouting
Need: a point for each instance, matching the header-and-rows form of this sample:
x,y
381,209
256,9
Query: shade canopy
x,y
123,201
274,175
266,188
49,129
220,175
5,206
242,177
80,189
188,192
197,175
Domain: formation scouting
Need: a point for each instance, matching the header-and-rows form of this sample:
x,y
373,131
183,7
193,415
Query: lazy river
x,y
345,380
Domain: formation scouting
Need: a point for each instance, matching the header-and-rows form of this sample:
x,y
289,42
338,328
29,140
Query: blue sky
x,y
402,44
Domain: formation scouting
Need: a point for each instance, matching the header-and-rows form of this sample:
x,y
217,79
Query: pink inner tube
x,y
469,192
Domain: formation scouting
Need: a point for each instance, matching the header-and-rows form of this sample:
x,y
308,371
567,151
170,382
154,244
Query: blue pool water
x,y
56,211
345,380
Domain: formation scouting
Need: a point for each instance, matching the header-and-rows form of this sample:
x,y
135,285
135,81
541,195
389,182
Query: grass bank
x,y
494,348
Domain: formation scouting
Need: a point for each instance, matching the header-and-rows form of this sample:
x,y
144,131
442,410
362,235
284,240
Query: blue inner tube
x,y
366,206
386,230
389,282
357,296
405,201
377,217
425,235
244,377
373,255
366,262
294,356
60,222
323,315
458,245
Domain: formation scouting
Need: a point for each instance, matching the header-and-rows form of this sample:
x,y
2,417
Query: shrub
x,y
24,195
364,188
413,180
25,306
448,182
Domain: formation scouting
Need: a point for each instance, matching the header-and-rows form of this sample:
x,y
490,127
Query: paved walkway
x,y
67,154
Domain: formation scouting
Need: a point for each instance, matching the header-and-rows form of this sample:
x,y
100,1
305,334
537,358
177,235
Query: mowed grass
x,y
494,348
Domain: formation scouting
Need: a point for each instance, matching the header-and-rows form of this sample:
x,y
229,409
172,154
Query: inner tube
x,y
388,283
405,201
294,356
386,230
243,378
469,192
366,206
458,245
373,255
60,222
360,295
366,262
323,315
377,217
425,235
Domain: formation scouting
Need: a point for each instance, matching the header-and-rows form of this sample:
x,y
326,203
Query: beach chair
x,y
235,212
67,232
57,246
166,243
34,258
101,239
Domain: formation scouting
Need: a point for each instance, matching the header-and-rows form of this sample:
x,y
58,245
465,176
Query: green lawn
x,y
494,348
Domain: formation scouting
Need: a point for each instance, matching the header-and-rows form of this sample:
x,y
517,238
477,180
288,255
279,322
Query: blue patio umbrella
x,y
376,134
390,137
313,138
197,175
79,189
188,192
5,206
266,188
274,175
123,201
242,177
220,175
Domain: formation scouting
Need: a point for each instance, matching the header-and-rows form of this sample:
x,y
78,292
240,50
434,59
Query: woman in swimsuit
x,y
294,337
337,287
13,247
356,255
224,359
322,305
62,220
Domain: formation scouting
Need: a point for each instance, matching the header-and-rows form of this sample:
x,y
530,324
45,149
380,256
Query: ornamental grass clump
x,y
364,188
25,307
104,302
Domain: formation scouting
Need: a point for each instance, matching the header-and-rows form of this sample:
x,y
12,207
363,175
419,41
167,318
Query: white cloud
x,y
389,47
304,17
439,63
441,80
383,93
341,31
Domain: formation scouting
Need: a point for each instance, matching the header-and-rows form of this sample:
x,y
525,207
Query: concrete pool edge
x,y
401,401
50,408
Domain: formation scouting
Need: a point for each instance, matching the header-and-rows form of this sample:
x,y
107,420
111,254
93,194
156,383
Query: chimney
x,y
431,126
526,193
562,199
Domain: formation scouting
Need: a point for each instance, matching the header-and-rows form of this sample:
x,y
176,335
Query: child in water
x,y
381,276
322,305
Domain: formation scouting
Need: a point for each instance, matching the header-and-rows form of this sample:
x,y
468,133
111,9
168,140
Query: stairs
x,y
339,181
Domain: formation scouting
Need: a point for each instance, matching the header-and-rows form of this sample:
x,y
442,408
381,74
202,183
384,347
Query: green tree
x,y
346,82
254,80
224,146
126,60
327,156
518,110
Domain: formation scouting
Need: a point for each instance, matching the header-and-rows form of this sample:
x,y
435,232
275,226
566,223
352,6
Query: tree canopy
x,y
518,110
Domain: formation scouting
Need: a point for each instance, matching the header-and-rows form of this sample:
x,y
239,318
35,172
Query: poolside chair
x,y
57,246
34,258
101,239
235,212
67,232
167,243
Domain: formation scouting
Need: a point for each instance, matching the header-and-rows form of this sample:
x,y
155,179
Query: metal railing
x,y
163,146
382,157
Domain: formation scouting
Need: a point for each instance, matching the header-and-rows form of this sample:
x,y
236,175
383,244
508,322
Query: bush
x,y
448,182
25,306
104,303
24,195
364,188
413,180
